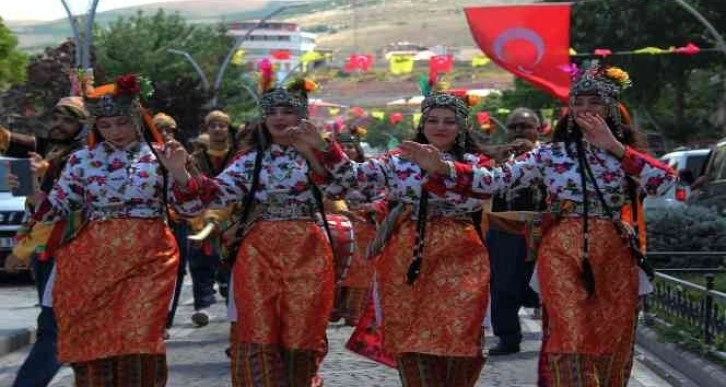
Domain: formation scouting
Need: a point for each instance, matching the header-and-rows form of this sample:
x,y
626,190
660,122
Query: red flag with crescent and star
x,y
362,62
531,41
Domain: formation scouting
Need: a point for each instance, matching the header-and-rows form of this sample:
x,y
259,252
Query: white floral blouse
x,y
400,178
285,180
560,172
107,182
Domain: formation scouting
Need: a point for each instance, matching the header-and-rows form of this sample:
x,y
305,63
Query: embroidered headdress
x,y
607,82
437,95
121,98
294,94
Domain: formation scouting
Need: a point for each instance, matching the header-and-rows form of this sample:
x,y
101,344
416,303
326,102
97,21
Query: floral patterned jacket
x,y
285,180
401,178
559,170
107,182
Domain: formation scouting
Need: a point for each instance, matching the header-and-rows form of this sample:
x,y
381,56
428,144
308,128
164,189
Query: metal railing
x,y
675,300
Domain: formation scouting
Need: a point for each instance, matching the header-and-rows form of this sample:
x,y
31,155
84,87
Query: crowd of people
x,y
297,228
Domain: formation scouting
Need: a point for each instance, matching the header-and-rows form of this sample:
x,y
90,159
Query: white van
x,y
688,164
12,217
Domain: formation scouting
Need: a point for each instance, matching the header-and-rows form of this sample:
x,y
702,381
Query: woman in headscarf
x,y
433,273
282,273
114,277
588,258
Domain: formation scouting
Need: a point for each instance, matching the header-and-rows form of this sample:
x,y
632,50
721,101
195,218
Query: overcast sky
x,y
53,9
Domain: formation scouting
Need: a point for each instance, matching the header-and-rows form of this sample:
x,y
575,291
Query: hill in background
x,y
344,26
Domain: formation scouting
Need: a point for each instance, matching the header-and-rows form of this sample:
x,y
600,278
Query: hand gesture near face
x,y
596,131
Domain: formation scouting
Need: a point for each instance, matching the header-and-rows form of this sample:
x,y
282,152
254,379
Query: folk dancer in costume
x,y
366,212
587,268
512,264
205,264
282,278
433,273
65,134
111,324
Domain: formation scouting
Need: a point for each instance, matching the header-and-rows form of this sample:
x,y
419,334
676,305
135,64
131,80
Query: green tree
x,y
140,44
12,60
666,86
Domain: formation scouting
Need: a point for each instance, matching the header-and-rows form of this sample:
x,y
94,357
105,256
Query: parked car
x,y
12,217
712,192
688,164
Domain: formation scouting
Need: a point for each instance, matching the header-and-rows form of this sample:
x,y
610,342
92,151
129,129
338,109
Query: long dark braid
x,y
459,149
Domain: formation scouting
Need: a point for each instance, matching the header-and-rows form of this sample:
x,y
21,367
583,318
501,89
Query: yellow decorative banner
x,y
651,51
238,58
333,111
378,114
311,56
416,118
572,51
480,60
401,64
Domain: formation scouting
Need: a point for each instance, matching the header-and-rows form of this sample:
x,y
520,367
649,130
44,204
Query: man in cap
x,y
511,268
65,136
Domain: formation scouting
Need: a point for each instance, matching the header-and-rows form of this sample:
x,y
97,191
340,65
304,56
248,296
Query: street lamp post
x,y
720,43
76,35
82,41
197,68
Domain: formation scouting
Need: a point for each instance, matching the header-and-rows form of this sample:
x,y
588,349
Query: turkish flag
x,y
441,64
531,41
281,54
362,62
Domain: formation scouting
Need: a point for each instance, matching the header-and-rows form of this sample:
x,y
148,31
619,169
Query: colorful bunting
x,y
378,114
357,111
401,64
238,58
480,60
281,54
395,118
333,111
416,119
359,62
441,64
603,52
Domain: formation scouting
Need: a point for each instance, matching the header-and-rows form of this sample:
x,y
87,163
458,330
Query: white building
x,y
273,37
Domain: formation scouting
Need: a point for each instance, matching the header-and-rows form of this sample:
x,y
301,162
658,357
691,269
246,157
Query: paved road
x,y
196,358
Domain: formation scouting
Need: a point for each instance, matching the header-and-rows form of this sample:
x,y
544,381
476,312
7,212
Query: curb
x,y
13,339
700,371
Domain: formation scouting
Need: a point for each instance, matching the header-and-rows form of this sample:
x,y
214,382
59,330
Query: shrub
x,y
690,228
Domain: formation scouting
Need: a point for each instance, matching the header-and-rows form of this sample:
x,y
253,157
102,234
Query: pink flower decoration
x,y
603,52
689,49
570,68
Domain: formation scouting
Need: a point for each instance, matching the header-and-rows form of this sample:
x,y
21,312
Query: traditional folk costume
x,y
282,278
431,307
111,323
587,261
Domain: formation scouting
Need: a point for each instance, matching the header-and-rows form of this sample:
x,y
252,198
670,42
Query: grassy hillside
x,y
343,25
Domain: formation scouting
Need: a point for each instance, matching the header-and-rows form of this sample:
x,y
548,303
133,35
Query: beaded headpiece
x,y
607,82
294,94
438,95
122,98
